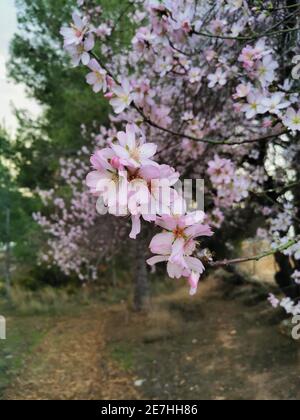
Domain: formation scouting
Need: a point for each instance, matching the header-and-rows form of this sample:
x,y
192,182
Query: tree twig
x,y
247,38
209,141
183,135
258,257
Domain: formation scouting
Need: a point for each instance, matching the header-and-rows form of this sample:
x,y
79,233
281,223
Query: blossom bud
x,y
116,162
267,123
110,82
237,106
109,95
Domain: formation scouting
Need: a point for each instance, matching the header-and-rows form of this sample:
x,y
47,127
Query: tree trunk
x,y
142,289
283,277
114,272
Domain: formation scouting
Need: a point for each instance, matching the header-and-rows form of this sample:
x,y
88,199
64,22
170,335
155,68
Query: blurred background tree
x,y
68,104
37,61
16,207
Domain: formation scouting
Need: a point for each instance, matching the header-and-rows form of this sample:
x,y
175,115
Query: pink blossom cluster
x,y
231,185
68,224
130,182
258,94
76,234
214,98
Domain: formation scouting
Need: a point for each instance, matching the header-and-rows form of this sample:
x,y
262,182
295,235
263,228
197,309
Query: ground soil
x,y
223,344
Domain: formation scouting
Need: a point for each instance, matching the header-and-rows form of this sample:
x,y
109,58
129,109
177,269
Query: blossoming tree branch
x,y
205,90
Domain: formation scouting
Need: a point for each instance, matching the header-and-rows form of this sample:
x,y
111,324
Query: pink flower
x,y
133,149
116,163
136,226
273,301
193,281
160,180
74,35
221,171
247,57
241,185
217,218
80,52
262,233
237,106
128,182
97,78
288,305
267,123
210,55
276,103
161,115
103,31
164,65
218,78
183,23
177,244
296,277
100,159
266,70
217,26
151,194
195,75
237,28
143,39
242,91
121,97
143,94
254,105
292,119
107,182
251,54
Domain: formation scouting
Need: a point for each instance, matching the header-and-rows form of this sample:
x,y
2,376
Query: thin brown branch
x,y
209,141
258,257
278,190
186,136
246,38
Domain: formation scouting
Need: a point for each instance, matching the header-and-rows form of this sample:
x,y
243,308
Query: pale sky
x,y
10,93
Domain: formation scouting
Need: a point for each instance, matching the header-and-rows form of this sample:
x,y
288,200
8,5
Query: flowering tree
x,y
79,238
208,88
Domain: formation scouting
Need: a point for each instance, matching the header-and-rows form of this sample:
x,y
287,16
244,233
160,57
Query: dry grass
x,y
72,363
213,346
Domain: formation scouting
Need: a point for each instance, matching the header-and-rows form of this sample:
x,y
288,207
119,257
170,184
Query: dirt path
x,y
71,363
220,345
